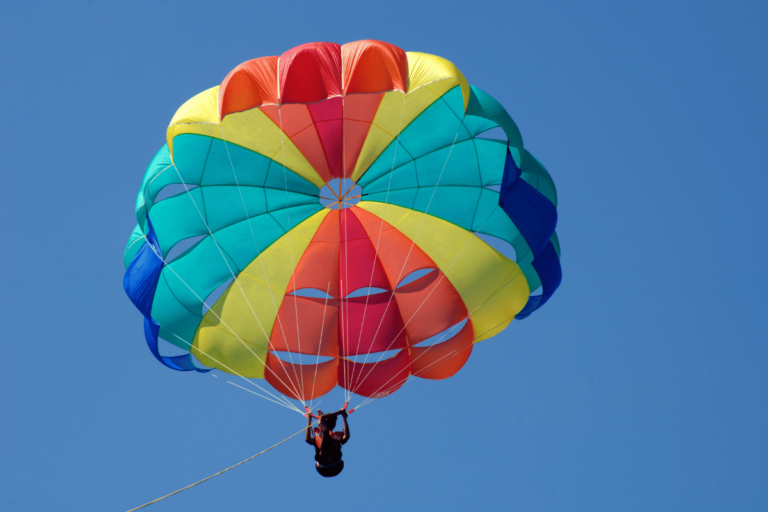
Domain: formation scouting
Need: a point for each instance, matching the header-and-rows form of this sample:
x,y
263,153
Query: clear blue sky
x,y
640,386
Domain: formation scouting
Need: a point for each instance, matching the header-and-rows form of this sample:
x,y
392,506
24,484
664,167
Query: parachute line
x,y
220,472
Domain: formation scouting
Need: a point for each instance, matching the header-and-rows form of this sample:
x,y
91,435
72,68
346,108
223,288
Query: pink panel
x,y
380,378
327,116
358,267
372,327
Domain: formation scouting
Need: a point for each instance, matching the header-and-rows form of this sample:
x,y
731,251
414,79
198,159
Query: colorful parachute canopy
x,y
338,205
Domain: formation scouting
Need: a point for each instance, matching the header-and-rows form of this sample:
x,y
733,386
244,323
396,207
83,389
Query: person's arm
x,y
345,437
308,436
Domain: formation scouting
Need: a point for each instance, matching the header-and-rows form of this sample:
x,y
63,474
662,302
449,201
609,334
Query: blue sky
x,y
640,386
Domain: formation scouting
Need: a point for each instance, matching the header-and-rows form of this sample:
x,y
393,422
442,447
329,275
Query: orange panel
x,y
444,359
359,111
249,85
301,381
297,124
320,261
373,66
314,330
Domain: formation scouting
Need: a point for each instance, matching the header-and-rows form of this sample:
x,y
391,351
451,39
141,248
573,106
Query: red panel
x,y
327,116
301,382
373,66
380,378
310,72
444,359
313,331
359,267
249,85
372,327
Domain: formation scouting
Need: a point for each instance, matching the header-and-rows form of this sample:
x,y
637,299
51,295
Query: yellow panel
x,y
424,69
492,286
251,129
216,338
386,125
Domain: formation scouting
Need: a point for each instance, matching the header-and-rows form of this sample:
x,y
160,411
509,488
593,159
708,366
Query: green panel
x,y
177,218
477,125
402,178
454,99
450,166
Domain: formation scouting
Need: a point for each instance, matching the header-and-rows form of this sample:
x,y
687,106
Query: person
x,y
327,443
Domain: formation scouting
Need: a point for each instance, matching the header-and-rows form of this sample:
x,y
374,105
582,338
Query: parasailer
x,y
326,442
339,216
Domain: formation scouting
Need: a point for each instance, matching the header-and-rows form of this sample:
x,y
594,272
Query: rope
x,y
220,472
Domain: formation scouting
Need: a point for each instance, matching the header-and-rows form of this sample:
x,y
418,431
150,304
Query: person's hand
x,y
343,413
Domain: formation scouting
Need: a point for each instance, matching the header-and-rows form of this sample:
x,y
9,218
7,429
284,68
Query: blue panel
x,y
533,214
547,266
140,283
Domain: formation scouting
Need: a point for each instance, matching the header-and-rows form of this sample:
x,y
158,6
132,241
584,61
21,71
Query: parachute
x,y
337,216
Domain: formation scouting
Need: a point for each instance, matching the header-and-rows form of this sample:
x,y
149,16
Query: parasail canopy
x,y
335,216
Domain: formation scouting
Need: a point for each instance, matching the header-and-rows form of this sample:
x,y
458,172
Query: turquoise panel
x,y
491,220
435,128
289,218
281,178
404,198
225,205
230,164
388,160
477,125
199,272
402,177
454,99
556,243
168,311
482,104
133,246
537,176
454,204
245,240
456,165
491,156
280,199
177,218
190,153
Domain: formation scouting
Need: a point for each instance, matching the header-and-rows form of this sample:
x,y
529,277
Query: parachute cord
x,y
360,381
220,472
469,313
300,396
378,242
258,249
